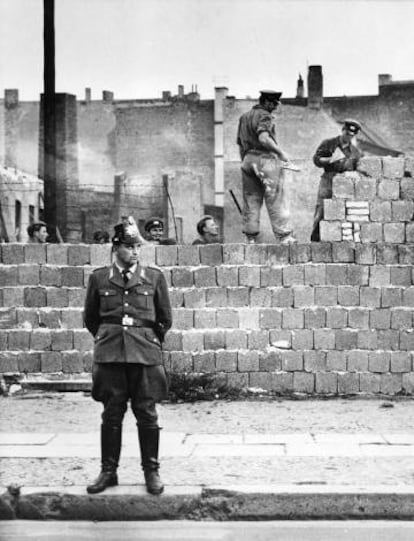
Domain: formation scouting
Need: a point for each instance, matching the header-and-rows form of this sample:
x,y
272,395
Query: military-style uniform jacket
x,y
128,321
251,125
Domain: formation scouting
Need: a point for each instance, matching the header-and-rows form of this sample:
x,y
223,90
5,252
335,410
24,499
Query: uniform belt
x,y
129,321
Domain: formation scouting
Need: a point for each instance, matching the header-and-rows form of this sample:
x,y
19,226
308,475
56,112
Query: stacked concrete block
x,y
373,204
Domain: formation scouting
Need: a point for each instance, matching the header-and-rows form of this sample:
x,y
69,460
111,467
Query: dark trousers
x,y
115,384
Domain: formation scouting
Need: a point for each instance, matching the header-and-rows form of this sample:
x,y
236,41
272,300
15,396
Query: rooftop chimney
x,y
315,87
384,79
88,95
107,96
300,91
181,91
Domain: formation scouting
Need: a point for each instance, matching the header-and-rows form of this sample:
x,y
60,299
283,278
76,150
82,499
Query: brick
x,y
181,361
249,276
270,276
343,186
227,318
388,189
72,276
270,361
357,361
183,318
205,361
321,252
280,339
407,189
12,254
173,341
365,189
371,232
292,360
369,383
336,361
189,255
226,361
293,318
214,340
299,253
28,362
277,254
336,274
260,297
227,276
9,275
303,296
237,296
379,275
282,297
249,318
334,209
348,383
182,277
401,318
401,276
34,296
315,318
257,339
315,274
248,361
72,362
343,252
346,339
390,384
324,339
393,167
211,255
401,361
391,296
234,254
79,254
62,340
57,297
326,383
371,166
402,211
326,296
35,253
302,339
336,317
204,319
51,276
394,232
8,363
256,254
13,296
303,382
358,318
379,361
406,251
387,254
367,340
330,231
365,254
236,339
380,211
348,296
194,298
204,277
380,318
314,361
40,340
407,340
166,256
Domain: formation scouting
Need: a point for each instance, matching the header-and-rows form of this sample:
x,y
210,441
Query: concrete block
x,y
401,318
177,298
211,254
326,383
407,340
12,254
79,254
183,318
401,275
237,296
394,232
380,211
35,253
391,296
343,252
49,319
365,254
321,252
348,295
57,297
292,360
358,318
166,256
343,186
303,296
236,339
19,340
28,362
408,383
34,296
189,255
402,211
336,274
173,341
27,318
9,275
237,380
227,276
299,253
380,318
401,361
379,275
393,167
260,296
388,189
387,254
367,339
249,318
315,274
282,382
248,361
87,358
226,361
256,254
204,319
216,297
348,383
277,254
282,296
409,167
270,361
3,340
315,318
214,340
181,361
57,254
192,298
314,361
357,275
76,297
293,275
82,340
333,209
280,339
346,339
50,276
407,189
409,232
204,277
370,166
62,340
293,318
270,318
336,361
336,317
249,276
365,188
270,276
370,297
40,340
324,339
390,384
72,276
28,275
234,254
72,362
371,232
260,380
303,382
258,339
330,231
205,361
408,297
51,361
388,339
12,296
357,361
326,295
227,318
379,361
182,277
302,339
100,254
369,383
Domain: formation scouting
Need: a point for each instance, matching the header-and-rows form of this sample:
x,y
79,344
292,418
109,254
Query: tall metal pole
x,y
49,114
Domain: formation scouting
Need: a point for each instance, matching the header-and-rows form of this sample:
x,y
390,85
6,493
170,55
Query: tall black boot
x,y
110,451
149,442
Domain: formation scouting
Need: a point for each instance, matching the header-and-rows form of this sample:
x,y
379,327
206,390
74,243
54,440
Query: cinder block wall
x,y
323,319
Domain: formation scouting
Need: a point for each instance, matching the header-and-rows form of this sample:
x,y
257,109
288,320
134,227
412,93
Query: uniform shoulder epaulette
x,y
99,269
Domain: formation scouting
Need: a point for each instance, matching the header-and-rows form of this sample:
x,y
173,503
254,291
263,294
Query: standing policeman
x,y
128,311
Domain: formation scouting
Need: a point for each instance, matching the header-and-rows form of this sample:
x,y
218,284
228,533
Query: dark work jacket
x,y
251,125
327,148
145,296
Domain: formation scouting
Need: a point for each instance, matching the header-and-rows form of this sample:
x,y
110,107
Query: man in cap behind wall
x,y
262,166
154,230
128,312
335,155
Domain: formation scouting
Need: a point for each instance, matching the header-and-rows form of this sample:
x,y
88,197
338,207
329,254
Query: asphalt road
x,y
17,530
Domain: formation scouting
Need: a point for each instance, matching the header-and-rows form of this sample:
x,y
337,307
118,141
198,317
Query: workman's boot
x,y
110,451
149,443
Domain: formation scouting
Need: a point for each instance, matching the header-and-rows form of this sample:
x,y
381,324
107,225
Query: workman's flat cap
x,y
271,95
352,125
153,222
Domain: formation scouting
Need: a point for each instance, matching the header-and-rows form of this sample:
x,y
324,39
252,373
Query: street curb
x,y
131,502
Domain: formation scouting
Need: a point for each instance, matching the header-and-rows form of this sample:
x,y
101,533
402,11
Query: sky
x,y
138,48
